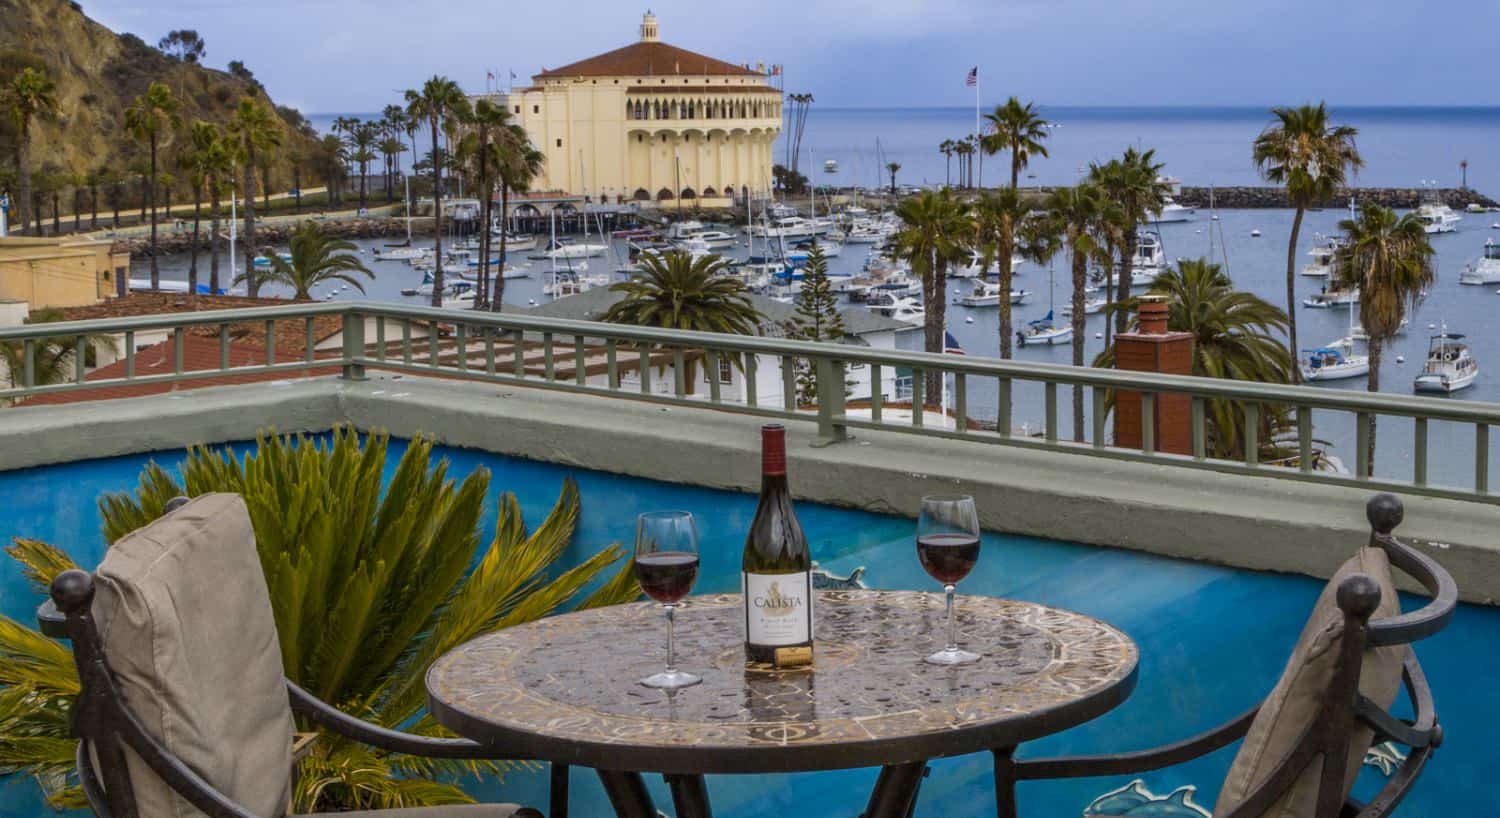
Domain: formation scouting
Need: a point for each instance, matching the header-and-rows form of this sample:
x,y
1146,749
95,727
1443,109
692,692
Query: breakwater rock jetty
x,y
1251,197
178,237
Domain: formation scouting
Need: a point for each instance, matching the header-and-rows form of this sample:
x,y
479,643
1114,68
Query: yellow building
x,y
651,122
59,272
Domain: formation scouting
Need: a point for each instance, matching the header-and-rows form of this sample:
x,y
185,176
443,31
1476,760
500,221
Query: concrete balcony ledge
x,y
1243,521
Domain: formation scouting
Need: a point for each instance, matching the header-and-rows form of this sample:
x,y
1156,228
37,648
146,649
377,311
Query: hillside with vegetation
x,y
96,75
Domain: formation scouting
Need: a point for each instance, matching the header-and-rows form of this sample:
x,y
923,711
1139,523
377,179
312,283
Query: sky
x,y
327,56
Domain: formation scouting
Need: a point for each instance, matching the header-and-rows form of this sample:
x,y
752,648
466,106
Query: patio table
x,y
564,689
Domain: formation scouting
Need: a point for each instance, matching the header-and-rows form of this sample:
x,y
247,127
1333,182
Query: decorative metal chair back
x,y
1304,764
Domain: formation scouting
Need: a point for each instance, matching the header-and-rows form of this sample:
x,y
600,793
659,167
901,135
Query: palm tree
x,y
1312,158
997,215
1019,129
362,140
52,360
439,103
395,590
218,179
892,168
1388,259
30,96
481,152
96,178
946,149
1079,214
391,149
316,258
256,133
1236,335
151,119
331,161
677,291
935,233
521,164
203,142
1134,185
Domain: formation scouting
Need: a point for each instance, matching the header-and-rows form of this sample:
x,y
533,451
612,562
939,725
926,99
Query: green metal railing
x,y
594,358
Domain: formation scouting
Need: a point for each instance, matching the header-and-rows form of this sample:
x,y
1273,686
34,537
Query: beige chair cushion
x,y
187,627
1294,702
445,811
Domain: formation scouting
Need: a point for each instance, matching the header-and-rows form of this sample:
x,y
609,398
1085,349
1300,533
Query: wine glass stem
x,y
952,639
671,641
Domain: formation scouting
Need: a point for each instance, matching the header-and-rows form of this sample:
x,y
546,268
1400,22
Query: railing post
x,y
354,346
1362,446
829,377
28,363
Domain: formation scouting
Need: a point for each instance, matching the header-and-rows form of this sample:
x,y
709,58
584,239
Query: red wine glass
x,y
948,547
666,566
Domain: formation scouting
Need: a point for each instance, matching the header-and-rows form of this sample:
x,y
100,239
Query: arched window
x,y
663,195
642,195
687,193
709,193
629,110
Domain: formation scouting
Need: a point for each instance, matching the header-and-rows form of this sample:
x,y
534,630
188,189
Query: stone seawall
x,y
1246,197
170,241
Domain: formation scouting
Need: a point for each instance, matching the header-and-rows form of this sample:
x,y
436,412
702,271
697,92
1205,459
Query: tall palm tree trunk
x,y
1007,277
1109,292
499,288
1291,295
151,204
193,248
1377,349
252,281
437,218
1080,275
213,243
934,325
94,208
1015,168
23,170
1122,281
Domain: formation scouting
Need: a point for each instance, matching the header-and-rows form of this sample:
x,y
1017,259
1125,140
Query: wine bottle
x,y
776,573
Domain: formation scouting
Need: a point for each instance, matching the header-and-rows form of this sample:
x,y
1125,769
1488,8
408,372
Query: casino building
x,y
651,122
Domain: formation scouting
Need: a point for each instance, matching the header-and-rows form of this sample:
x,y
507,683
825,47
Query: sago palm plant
x,y
368,588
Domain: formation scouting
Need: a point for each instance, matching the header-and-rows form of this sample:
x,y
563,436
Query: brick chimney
x,y
1154,348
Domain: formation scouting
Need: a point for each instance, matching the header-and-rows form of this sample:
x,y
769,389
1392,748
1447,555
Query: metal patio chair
x,y
1330,704
183,711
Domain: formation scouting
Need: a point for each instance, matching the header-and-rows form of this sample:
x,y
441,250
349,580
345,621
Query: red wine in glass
x,y
946,558
667,576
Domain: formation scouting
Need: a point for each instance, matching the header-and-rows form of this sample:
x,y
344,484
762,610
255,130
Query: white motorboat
x,y
787,227
514,242
1044,331
830,166
797,254
1331,298
986,294
567,283
264,262
1091,306
717,238
685,229
1171,212
865,234
401,253
1324,255
899,308
578,250
1486,270
1449,368
1437,216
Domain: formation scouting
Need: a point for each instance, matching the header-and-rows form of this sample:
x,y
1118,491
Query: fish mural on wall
x,y
1134,800
824,581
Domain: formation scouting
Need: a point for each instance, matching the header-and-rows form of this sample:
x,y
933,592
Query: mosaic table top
x,y
565,688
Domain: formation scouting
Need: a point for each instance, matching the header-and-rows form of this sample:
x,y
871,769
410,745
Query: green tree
x,y
520,167
1018,129
439,104
946,149
1312,158
197,160
184,45
1236,336
331,161
391,148
316,257
152,119
1134,185
997,216
256,133
935,233
817,318
362,139
893,168
1079,214
1389,260
365,595
482,152
29,96
676,291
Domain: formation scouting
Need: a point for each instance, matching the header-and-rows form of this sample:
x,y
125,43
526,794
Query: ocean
x,y
1402,146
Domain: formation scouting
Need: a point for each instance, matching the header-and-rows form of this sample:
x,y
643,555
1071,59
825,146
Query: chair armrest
x,y
1139,761
395,741
50,621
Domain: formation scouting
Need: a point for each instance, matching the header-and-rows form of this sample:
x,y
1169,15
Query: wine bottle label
x,y
778,608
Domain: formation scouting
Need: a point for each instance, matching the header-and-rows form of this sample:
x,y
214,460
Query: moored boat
x,y
1450,366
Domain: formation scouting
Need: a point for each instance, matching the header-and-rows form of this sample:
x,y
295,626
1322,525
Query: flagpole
x,y
979,182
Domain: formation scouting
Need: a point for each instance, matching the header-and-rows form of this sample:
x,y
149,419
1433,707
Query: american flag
x,y
950,344
973,78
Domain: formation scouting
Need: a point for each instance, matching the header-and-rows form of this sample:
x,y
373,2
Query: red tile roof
x,y
199,354
649,59
291,333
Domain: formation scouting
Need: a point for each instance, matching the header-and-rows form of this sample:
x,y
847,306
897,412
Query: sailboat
x,y
1335,361
1045,330
403,251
